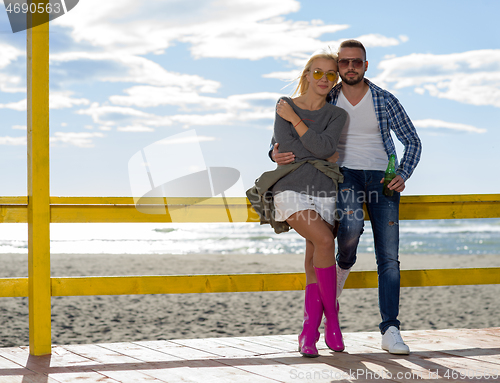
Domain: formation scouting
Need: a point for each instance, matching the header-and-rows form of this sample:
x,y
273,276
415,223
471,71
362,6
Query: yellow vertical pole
x,y
38,187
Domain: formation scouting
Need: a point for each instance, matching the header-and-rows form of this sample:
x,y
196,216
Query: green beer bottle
x,y
390,173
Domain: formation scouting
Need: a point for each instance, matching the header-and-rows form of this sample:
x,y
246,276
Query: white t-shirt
x,y
361,146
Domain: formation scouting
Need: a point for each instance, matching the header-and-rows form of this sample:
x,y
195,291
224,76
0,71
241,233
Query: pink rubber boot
x,y
313,312
327,283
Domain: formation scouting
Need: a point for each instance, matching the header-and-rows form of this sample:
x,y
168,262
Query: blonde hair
x,y
303,85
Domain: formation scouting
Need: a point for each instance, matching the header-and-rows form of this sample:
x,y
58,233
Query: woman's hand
x,y
282,158
286,112
333,158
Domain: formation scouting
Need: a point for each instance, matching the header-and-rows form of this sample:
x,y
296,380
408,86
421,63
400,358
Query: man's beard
x,y
354,80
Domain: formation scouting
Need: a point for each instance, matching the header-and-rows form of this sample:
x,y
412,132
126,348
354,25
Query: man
x,y
364,149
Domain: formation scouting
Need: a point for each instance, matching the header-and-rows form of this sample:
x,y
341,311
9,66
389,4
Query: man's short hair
x,y
352,44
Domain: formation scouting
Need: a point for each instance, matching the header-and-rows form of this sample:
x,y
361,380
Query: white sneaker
x,y
392,342
341,278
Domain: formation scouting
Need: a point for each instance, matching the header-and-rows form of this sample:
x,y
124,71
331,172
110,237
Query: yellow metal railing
x,y
122,209
234,283
38,209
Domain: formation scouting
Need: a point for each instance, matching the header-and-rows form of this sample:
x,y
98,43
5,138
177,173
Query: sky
x,y
184,85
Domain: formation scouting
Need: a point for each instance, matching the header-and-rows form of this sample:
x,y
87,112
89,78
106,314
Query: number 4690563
x,y
33,8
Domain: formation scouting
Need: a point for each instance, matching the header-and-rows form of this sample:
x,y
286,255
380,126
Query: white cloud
x,y
430,123
129,68
57,100
229,118
471,77
61,100
285,76
151,96
243,29
80,139
20,106
14,141
83,140
186,140
135,128
131,27
251,39
377,40
20,127
199,109
9,82
122,25
9,54
107,115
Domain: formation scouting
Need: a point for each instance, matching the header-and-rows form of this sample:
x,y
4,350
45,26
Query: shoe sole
x,y
396,352
335,350
308,355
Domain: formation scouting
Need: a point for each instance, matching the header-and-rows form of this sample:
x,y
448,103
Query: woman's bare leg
x,y
308,263
310,225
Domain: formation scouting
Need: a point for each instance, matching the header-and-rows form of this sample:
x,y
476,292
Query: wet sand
x,y
151,317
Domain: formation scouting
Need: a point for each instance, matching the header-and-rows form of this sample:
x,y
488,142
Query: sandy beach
x,y
152,317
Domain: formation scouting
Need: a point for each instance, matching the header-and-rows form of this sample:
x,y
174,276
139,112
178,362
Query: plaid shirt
x,y
391,115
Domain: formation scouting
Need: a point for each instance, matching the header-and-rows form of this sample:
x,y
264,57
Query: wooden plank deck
x,y
437,356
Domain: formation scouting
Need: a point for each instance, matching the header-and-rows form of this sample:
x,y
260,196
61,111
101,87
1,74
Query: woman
x,y
310,127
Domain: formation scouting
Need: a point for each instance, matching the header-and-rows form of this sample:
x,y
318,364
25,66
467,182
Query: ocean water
x,y
460,237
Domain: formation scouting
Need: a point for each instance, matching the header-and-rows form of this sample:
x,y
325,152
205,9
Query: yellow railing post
x,y
39,292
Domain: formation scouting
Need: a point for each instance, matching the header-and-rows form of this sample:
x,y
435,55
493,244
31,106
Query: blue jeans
x,y
359,187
